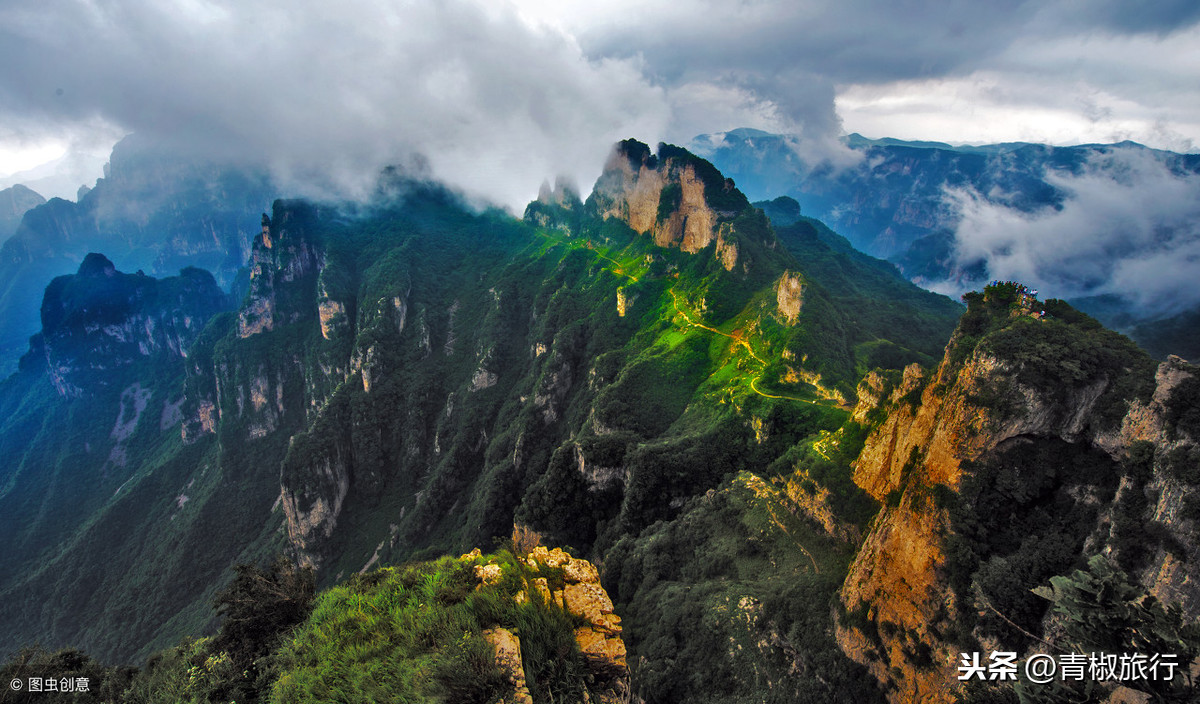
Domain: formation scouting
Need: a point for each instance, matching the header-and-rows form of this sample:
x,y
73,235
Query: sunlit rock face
x,y
940,429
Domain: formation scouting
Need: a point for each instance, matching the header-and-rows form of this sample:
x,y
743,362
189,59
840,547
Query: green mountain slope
x,y
636,376
96,480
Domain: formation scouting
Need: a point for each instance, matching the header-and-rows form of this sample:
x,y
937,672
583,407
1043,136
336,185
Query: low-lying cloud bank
x,y
325,94
1128,226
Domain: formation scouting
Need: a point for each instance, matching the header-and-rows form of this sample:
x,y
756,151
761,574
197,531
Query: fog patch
x,y
1128,226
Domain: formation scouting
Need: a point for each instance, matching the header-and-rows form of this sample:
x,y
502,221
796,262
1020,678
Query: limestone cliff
x,y
990,397
286,287
789,296
677,198
572,585
278,265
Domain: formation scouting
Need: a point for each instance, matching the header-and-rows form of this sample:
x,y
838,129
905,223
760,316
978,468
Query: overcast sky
x,y
500,95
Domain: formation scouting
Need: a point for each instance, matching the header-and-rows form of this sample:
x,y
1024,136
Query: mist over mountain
x,y
1109,227
155,211
782,469
322,99
68,175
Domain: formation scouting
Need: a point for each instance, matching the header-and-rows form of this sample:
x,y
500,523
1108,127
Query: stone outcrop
x,y
582,595
624,301
579,593
508,657
668,197
931,428
598,477
789,296
333,316
312,509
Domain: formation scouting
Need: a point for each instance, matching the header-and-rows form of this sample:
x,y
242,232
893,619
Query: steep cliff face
x,y
938,457
100,321
93,481
154,211
280,271
674,196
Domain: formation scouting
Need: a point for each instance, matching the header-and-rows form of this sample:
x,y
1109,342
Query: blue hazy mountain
x,y
153,211
1104,226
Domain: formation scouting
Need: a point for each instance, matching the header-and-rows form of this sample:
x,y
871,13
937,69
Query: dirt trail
x,y
740,341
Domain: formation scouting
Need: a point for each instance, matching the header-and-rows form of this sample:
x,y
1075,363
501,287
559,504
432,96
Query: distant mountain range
x,y
1108,227
15,201
794,474
152,212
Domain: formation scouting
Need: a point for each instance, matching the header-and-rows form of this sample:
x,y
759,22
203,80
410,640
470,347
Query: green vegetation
x,y
1102,611
1060,353
734,570
830,468
887,322
413,633
1183,409
669,200
1022,516
103,684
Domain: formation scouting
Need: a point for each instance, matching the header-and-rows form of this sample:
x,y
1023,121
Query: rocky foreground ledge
x,y
570,584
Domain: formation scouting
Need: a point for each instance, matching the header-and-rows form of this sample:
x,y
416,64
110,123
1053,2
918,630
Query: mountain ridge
x,y
735,419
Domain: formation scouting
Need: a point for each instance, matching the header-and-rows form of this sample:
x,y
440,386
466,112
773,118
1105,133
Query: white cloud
x,y
1128,227
332,92
699,107
503,93
1095,87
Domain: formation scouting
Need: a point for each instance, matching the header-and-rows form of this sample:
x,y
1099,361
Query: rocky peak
x,y
99,321
557,207
14,202
679,199
96,265
562,194
283,259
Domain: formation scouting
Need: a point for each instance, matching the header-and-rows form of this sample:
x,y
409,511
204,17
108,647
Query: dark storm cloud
x,y
1155,16
334,90
761,44
793,54
859,40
